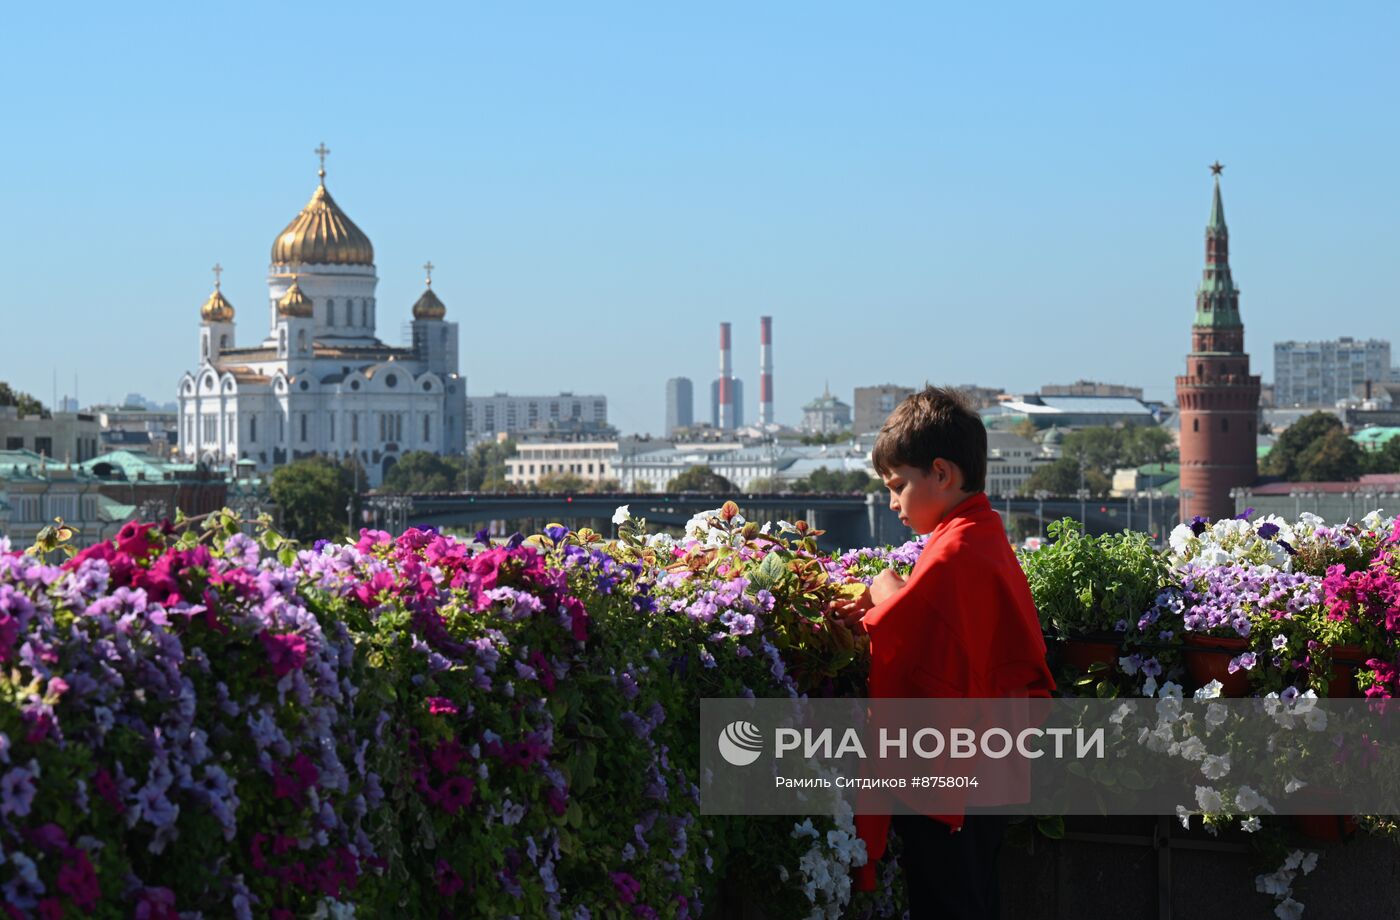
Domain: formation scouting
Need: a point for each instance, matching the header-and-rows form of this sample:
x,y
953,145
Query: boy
x,y
963,625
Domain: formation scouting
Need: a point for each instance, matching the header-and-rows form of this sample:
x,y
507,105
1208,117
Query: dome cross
x,y
218,270
428,267
322,152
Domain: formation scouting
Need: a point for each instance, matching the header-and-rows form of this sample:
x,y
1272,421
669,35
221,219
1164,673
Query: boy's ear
x,y
948,473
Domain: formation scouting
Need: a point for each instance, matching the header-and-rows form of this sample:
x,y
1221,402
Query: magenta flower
x,y
441,706
285,652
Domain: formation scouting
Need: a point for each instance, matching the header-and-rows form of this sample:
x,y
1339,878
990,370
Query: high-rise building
x,y
501,413
1321,373
1217,397
680,404
736,406
874,404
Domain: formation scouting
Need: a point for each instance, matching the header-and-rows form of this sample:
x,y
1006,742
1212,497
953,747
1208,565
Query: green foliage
x,y
1385,460
312,495
421,471
563,482
828,480
1101,451
1285,458
1084,585
486,466
831,437
700,479
1333,457
1062,478
27,404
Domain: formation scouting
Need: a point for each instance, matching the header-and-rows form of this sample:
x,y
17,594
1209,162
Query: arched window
x,y
301,340
1195,424
1200,369
252,429
282,342
330,312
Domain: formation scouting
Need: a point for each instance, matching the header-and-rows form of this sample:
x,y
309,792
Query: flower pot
x,y
1208,658
1345,660
1325,828
1081,654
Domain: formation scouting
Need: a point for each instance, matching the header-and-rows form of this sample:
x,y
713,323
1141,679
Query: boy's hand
x,y
849,610
885,586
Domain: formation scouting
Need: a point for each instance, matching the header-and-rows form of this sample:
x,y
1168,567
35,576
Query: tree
x,y
312,495
700,479
1026,429
27,404
830,437
486,466
1334,457
824,479
562,482
1284,457
767,484
1385,460
421,471
1061,478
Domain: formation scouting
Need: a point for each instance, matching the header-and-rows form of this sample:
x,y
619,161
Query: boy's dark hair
x,y
934,423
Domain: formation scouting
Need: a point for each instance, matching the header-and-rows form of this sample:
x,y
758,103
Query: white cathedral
x,y
320,381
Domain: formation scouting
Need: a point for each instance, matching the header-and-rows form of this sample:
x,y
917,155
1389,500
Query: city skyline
x,y
605,177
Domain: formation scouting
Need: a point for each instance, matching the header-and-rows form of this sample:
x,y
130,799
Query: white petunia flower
x,y
1208,800
1215,766
622,515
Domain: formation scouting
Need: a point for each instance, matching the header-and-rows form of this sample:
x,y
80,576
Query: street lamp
x,y
1083,495
1040,496
1186,496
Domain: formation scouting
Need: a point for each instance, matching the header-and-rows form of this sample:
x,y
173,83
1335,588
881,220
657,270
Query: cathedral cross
x,y
428,267
321,152
218,270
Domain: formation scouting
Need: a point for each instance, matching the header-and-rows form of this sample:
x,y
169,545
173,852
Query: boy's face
x,y
922,498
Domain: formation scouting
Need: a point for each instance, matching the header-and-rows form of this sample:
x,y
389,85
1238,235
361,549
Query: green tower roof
x,y
1217,299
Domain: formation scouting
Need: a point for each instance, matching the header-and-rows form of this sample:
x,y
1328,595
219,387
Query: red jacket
x,y
963,626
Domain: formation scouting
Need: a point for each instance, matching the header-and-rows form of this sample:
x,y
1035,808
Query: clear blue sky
x,y
992,194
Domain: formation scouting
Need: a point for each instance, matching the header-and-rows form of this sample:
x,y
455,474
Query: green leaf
x,y
1052,826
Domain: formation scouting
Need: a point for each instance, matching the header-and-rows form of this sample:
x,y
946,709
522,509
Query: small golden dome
x,y
322,235
429,306
294,302
217,309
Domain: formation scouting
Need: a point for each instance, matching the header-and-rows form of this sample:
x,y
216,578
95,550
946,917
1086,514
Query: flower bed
x,y
202,722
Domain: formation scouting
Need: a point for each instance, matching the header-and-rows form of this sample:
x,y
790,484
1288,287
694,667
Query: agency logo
x,y
740,743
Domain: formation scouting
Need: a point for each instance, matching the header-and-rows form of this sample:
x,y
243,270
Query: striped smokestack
x,y
726,380
765,370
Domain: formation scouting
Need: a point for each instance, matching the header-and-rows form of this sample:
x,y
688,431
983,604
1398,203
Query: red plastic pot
x,y
1345,660
1208,658
1081,654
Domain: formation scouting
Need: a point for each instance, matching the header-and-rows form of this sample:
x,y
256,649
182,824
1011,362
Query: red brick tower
x,y
1217,397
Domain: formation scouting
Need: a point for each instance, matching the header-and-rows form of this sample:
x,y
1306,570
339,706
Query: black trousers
x,y
951,876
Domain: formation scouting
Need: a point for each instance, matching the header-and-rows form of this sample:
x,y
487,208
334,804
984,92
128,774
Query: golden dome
x,y
429,306
294,302
217,309
322,235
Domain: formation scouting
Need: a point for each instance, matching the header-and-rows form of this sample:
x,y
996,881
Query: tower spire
x,y
1217,299
1217,208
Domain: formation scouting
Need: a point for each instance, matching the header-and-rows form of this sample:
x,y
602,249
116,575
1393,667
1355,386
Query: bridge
x,y
850,520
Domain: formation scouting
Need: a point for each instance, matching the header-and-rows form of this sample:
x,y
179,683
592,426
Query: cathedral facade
x,y
320,381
